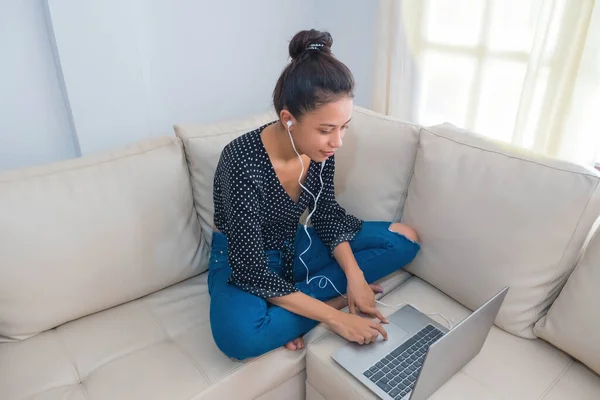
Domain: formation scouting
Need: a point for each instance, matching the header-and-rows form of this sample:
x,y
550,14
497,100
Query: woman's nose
x,y
336,140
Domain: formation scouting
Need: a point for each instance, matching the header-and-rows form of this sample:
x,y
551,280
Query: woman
x,y
262,295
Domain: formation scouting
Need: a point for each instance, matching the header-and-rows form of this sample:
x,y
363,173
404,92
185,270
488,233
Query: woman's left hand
x,y
361,297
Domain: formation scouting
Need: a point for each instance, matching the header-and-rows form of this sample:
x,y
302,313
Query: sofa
x,y
103,260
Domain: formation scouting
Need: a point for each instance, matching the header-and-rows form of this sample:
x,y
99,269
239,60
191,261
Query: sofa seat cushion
x,y
157,347
508,367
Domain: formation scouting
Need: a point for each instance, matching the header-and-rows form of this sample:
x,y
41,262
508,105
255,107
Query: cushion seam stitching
x,y
411,176
69,358
186,138
475,379
560,266
171,339
36,394
509,156
229,132
556,380
160,342
252,360
283,383
79,382
181,135
171,142
386,118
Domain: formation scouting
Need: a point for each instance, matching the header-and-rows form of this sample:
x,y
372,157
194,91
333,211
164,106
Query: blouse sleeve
x,y
247,258
332,223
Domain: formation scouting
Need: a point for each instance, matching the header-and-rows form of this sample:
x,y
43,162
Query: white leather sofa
x,y
103,289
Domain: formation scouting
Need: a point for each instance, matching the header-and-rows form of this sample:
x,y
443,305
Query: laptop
x,y
420,355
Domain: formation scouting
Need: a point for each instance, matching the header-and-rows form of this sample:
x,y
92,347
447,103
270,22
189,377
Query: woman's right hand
x,y
357,329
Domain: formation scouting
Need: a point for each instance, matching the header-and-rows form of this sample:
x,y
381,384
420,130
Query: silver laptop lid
x,y
456,348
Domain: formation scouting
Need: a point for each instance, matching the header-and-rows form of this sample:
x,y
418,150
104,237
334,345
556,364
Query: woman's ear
x,y
286,118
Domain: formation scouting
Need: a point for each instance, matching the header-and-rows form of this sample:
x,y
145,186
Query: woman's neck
x,y
277,143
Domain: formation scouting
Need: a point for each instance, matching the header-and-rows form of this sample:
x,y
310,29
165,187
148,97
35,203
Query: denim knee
x,y
234,339
237,349
404,248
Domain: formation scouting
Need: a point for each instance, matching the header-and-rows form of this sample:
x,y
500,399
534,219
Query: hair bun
x,y
312,40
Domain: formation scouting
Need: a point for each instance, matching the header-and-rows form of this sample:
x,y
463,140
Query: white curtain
x,y
523,71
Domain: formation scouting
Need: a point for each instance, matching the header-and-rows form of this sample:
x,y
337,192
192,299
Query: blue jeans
x,y
244,325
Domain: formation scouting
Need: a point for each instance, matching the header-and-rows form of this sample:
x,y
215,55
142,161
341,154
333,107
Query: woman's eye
x,y
325,132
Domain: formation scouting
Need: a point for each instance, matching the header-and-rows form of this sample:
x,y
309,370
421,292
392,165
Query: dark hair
x,y
314,76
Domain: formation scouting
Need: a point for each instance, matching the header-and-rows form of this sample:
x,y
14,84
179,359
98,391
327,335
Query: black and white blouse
x,y
256,214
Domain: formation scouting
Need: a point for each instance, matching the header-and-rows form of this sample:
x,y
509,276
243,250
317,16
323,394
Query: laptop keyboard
x,y
396,373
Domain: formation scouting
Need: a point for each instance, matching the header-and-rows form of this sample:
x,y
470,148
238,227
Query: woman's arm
x,y
336,228
309,307
344,256
333,225
360,294
351,327
240,207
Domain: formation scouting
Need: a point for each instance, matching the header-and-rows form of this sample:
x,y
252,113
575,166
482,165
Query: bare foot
x,y
341,302
296,344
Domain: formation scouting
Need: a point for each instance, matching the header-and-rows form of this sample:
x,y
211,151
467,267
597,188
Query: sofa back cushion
x,y
373,167
491,215
83,235
572,323
203,145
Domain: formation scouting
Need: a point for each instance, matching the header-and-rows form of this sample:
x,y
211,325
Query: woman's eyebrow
x,y
334,125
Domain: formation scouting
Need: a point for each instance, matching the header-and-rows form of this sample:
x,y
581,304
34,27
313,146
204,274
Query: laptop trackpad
x,y
395,333
373,352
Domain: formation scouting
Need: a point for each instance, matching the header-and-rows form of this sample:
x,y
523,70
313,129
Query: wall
x,y
126,70
353,23
34,121
142,66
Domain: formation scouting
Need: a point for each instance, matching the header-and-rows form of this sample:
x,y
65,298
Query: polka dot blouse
x,y
256,214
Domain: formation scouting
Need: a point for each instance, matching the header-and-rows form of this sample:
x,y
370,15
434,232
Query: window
x,y
474,57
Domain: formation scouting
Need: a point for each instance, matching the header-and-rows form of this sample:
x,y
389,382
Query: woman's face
x,y
319,133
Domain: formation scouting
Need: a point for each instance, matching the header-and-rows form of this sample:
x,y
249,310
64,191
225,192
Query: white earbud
x,y
289,123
